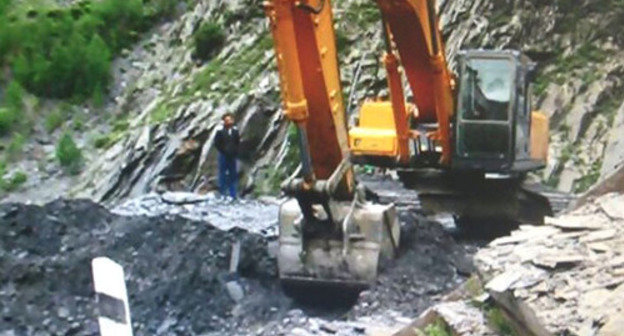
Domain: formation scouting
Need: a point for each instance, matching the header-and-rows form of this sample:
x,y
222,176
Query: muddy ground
x,y
177,267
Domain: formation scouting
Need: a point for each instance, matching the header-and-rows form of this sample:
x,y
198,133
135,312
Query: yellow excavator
x,y
465,143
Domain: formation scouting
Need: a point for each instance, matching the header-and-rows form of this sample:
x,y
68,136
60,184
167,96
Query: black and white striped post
x,y
111,297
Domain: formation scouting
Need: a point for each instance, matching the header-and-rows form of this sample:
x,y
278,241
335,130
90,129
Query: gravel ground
x,y
176,257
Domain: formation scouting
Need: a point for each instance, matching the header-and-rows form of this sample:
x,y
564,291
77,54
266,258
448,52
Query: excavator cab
x,y
495,128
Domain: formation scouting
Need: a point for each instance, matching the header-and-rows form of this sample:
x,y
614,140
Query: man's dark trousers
x,y
228,177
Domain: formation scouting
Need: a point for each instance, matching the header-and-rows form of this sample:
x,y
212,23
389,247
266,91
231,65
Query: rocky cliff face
x,y
173,104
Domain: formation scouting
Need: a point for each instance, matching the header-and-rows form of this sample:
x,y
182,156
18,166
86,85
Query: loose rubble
x,y
256,216
564,278
177,253
176,271
461,317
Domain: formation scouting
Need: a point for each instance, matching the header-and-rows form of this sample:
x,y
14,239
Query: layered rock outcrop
x,y
173,103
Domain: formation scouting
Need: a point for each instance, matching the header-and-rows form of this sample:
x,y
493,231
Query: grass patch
x,y
8,117
438,328
566,153
78,121
540,85
54,120
362,13
11,109
103,141
473,286
68,154
119,128
579,60
163,111
584,183
553,180
500,323
237,69
12,182
342,42
208,40
610,104
15,147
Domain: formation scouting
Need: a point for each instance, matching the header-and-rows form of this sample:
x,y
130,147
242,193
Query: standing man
x,y
226,141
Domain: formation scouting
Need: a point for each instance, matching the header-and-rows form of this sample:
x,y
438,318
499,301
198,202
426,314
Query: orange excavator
x,y
465,142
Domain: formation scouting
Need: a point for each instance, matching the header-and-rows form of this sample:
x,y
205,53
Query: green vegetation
x,y
102,141
68,154
11,110
500,323
120,126
65,52
580,63
586,54
584,183
342,42
438,328
238,66
164,111
208,40
473,286
540,84
10,183
7,119
54,120
553,180
609,105
236,75
15,147
362,14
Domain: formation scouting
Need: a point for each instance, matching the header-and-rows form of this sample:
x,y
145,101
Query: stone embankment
x,y
566,277
562,278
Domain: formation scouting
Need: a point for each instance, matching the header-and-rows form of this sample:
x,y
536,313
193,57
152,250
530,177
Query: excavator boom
x,y
329,233
412,28
305,49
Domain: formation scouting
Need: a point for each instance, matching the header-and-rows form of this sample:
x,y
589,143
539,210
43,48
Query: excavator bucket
x,y
348,255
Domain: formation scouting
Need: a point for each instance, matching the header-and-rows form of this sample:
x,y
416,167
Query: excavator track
x,y
388,190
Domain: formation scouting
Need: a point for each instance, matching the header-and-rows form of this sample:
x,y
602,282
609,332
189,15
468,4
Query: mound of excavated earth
x,y
175,249
176,270
564,278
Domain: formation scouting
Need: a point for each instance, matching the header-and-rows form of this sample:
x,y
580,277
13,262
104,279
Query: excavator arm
x,y
411,27
305,50
329,234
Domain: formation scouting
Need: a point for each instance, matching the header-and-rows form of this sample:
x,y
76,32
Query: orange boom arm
x,y
305,49
412,27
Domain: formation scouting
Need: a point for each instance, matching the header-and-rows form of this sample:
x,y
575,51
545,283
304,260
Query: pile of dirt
x,y
176,270
431,263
